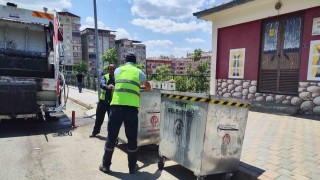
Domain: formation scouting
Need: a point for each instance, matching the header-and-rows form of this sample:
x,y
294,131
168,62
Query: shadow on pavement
x,y
139,175
247,171
102,138
30,127
181,172
310,117
146,154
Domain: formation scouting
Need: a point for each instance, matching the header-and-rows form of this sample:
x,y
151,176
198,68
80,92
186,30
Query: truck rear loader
x,y
31,83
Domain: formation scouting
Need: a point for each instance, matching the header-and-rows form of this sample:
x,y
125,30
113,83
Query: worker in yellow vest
x,y
124,108
107,84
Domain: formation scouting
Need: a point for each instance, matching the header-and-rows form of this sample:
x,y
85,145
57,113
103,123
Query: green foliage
x,y
202,82
81,68
195,81
163,73
181,84
110,56
141,67
196,55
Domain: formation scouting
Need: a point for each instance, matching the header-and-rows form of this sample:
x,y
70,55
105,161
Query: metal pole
x,y
73,120
97,47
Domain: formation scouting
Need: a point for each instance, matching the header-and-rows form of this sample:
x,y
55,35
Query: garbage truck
x,y
31,83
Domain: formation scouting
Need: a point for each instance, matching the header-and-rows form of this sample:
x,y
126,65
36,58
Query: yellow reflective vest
x,y
127,88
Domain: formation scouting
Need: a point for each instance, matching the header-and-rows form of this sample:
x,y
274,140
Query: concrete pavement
x,y
275,146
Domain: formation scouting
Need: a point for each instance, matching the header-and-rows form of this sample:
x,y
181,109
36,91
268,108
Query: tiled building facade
x,y
106,42
124,46
71,39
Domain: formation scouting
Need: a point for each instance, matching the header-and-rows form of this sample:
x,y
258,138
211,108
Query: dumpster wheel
x,y
200,177
161,163
228,176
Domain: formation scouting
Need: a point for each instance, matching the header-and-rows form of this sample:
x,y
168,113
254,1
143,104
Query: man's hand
x,y
110,86
148,86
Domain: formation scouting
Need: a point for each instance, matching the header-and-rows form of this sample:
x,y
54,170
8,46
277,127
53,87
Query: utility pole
x,y
97,47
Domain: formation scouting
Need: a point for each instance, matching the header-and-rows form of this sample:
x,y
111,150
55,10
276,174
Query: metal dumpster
x,y
204,134
149,119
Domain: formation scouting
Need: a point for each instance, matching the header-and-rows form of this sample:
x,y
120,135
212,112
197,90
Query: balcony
x,y
75,34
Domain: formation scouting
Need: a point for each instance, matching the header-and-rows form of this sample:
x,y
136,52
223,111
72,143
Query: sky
x,y
166,27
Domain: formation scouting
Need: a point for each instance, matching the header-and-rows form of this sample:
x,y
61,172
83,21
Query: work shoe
x,y
134,170
104,169
93,135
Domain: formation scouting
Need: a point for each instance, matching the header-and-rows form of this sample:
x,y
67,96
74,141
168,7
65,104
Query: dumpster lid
x,y
236,100
177,93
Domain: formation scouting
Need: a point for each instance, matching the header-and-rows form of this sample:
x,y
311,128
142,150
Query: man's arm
x,y
148,86
143,80
103,83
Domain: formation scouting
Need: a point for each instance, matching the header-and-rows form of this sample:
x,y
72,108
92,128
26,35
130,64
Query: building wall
x,y
247,36
180,65
307,37
152,64
71,40
205,57
124,46
106,42
240,36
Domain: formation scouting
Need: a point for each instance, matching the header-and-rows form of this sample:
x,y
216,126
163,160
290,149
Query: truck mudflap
x,y
18,98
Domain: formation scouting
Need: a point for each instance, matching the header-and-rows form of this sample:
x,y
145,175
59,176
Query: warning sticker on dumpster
x,y
152,124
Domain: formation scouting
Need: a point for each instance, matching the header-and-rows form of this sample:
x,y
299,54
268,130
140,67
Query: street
x,y
33,149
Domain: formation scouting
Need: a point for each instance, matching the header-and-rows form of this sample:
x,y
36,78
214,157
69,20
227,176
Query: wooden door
x,y
280,55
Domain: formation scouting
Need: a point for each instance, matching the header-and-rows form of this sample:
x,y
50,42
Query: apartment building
x,y
106,42
180,65
124,46
71,39
205,56
153,63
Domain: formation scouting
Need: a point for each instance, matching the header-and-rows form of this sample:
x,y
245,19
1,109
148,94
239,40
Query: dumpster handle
x,y
151,112
223,128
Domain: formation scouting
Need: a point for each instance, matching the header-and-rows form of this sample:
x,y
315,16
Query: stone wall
x,y
308,99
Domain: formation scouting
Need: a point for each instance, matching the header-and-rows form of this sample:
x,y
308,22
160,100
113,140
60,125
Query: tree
x,y
81,68
202,81
196,80
196,55
163,71
141,66
110,56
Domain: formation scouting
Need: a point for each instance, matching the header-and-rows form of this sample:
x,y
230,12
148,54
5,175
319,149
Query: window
x,y
75,34
76,22
92,50
75,28
67,20
76,48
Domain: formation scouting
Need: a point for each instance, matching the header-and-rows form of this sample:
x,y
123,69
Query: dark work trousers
x,y
118,115
102,108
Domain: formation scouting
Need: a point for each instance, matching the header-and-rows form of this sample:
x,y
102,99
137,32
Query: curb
x,y
83,89
88,106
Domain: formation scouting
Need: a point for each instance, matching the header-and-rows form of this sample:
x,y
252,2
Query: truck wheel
x,y
51,118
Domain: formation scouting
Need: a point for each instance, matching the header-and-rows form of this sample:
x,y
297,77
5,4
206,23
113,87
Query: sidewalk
x,y
275,146
88,98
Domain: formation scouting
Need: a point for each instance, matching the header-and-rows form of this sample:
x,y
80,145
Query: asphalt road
x,y
37,150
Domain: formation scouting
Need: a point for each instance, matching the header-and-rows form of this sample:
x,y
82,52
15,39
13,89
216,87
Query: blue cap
x,y
130,54
131,57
